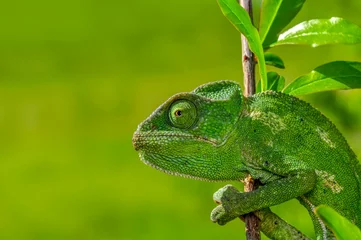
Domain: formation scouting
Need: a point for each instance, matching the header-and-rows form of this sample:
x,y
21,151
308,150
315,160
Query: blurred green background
x,y
76,77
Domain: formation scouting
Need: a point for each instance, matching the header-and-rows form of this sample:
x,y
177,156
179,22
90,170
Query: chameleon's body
x,y
213,133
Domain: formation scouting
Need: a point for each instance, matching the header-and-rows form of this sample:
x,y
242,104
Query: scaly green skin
x,y
213,133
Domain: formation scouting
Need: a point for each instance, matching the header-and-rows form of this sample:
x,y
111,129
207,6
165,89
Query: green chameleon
x,y
214,133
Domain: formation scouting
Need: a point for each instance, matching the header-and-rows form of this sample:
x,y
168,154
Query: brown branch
x,y
248,62
252,222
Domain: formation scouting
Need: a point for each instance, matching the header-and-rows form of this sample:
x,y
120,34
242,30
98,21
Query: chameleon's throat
x,y
141,156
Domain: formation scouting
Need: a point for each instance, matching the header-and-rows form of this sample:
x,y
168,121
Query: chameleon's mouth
x,y
136,141
141,140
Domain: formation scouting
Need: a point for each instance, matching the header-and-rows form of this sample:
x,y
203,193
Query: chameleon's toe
x,y
225,196
217,214
221,216
222,193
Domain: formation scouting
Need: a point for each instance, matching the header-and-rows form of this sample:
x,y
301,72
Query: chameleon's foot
x,y
233,204
228,197
218,214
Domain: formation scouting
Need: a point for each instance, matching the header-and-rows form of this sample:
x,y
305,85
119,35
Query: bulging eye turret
x,y
182,114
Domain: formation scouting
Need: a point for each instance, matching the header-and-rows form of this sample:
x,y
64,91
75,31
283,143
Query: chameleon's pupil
x,y
182,113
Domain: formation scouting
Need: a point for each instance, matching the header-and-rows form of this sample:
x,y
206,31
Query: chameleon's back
x,y
300,137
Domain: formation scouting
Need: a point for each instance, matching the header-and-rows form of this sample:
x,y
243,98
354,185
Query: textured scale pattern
x,y
308,141
293,149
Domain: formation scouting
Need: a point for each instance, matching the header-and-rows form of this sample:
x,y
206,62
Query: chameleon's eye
x,y
182,113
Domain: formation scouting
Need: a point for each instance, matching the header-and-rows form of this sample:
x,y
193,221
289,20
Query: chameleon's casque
x,y
214,133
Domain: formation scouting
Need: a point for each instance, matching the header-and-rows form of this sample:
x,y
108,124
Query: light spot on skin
x,y
328,180
270,143
324,136
270,119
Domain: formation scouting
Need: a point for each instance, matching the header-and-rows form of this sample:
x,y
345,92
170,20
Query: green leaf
x,y
340,226
275,15
275,82
241,21
339,75
274,60
320,32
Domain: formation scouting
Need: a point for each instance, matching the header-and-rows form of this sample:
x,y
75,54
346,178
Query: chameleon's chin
x,y
188,156
149,160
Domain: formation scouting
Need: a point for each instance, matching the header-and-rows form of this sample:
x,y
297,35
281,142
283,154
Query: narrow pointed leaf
x,y
241,21
275,82
339,225
321,32
274,60
258,87
275,16
339,75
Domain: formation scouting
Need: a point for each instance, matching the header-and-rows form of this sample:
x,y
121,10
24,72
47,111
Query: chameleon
x,y
214,133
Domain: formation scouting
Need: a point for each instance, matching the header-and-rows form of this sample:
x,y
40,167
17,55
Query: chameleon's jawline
x,y
140,139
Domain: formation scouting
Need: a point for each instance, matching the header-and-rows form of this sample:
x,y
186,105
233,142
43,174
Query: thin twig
x,y
252,222
248,62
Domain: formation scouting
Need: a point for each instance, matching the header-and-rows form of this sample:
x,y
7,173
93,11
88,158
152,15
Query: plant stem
x,y
251,221
248,62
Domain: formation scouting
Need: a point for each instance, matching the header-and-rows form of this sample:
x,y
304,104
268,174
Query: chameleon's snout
x,y
135,140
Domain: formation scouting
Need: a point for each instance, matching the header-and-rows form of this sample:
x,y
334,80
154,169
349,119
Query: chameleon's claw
x,y
225,196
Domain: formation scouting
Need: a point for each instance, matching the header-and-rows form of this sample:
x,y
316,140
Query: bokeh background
x,y
76,77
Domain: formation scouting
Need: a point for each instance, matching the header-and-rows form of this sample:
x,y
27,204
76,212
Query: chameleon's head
x,y
194,134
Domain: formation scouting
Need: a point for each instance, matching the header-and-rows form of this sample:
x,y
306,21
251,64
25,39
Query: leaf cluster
x,y
275,15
